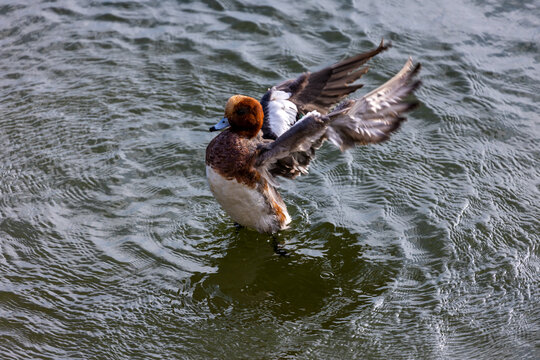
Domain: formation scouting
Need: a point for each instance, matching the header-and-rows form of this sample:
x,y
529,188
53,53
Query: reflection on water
x,y
111,244
306,284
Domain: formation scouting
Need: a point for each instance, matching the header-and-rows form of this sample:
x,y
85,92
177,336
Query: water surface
x,y
111,245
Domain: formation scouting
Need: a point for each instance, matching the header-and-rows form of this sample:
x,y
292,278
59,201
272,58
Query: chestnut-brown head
x,y
244,114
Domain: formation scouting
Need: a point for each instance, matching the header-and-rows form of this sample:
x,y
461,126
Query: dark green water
x,y
112,247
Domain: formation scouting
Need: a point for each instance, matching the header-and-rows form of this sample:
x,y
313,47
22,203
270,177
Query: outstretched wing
x,y
290,154
370,119
287,102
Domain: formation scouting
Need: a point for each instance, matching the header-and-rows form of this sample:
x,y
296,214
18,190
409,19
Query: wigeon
x,y
278,136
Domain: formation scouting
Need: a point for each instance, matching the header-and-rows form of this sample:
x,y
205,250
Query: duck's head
x,y
243,114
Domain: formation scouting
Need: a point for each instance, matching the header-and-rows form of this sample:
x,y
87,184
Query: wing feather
x,y
370,119
318,91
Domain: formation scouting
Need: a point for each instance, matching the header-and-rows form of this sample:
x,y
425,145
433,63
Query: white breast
x,y
243,204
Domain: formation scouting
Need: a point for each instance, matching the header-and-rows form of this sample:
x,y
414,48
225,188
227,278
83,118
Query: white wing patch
x,y
281,112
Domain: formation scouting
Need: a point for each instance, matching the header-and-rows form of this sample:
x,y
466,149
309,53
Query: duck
x,y
277,136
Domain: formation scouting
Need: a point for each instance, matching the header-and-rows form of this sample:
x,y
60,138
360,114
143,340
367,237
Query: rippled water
x,y
111,245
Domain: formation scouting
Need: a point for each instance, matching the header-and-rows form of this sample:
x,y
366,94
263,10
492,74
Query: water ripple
x,y
111,244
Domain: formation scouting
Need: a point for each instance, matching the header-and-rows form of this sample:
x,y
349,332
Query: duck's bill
x,y
222,124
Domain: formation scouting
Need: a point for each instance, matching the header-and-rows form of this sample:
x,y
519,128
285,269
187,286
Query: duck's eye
x,y
242,111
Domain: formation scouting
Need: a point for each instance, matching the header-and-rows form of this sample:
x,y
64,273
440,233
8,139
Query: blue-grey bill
x,y
222,124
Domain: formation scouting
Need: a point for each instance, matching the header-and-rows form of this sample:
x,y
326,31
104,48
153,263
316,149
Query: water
x,y
111,245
